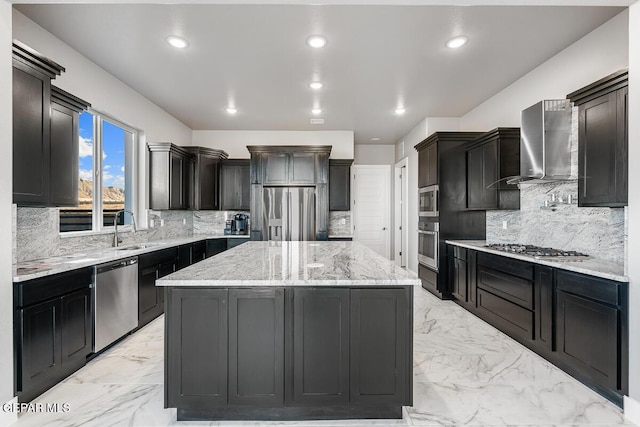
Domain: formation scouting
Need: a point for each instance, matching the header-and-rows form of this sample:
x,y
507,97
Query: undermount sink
x,y
132,248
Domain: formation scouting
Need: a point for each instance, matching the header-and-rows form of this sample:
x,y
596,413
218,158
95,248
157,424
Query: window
x,y
106,175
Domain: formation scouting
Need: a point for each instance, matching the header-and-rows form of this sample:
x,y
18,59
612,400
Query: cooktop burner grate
x,y
536,251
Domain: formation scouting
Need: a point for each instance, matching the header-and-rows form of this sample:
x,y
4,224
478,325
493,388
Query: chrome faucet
x,y
116,241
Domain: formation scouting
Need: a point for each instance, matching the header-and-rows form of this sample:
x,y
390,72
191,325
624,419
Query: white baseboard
x,y
632,410
8,417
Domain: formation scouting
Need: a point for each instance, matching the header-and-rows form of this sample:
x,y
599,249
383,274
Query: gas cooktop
x,y
538,252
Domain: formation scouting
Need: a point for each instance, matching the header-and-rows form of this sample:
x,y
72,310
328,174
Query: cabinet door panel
x,y
432,162
256,346
40,352
149,303
544,308
176,192
378,346
276,168
207,184
475,176
597,132
64,156
31,100
490,174
302,169
197,364
77,330
622,147
339,187
321,346
588,338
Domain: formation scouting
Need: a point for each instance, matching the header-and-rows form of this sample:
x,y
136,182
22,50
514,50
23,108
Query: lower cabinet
x,y
334,351
578,322
215,246
320,346
151,267
53,330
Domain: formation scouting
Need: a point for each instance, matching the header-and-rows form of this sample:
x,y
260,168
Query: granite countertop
x,y
340,236
591,266
293,264
48,266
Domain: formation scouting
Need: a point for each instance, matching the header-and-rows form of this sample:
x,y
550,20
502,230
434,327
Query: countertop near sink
x,y
592,266
48,266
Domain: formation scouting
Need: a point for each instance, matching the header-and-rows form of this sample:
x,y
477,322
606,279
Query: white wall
x,y
632,408
6,196
235,142
374,154
599,53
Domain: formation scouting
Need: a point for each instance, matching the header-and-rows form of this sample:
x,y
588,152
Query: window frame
x,y
131,179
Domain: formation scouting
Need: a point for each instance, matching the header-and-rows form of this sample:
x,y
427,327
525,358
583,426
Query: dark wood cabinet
x,y
302,168
52,330
491,160
65,111
459,274
591,340
281,353
235,185
256,347
196,363
275,168
205,188
199,251
603,141
544,303
379,345
151,267
215,246
170,176
340,184
45,133
232,243
428,165
320,346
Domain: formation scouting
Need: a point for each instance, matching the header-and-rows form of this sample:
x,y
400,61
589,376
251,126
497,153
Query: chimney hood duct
x,y
545,142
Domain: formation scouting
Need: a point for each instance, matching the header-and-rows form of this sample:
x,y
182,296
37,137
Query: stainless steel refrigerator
x,y
289,213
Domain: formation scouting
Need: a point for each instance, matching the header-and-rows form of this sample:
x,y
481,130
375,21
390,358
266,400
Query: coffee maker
x,y
238,225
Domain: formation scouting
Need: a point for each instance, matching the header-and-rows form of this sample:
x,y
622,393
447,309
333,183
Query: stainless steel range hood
x,y
545,141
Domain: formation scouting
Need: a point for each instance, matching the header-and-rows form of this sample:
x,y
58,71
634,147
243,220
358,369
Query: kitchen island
x,y
289,331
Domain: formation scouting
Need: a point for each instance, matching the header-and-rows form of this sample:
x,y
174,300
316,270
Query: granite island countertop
x,y
34,269
592,266
293,264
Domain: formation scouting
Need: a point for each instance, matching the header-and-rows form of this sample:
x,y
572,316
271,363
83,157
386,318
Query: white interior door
x,y
370,189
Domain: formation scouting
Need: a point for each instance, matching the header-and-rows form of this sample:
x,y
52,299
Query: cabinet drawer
x,y
514,320
458,252
510,287
591,287
42,289
507,265
429,277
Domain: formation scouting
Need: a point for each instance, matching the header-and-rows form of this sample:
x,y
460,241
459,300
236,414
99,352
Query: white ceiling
x,y
377,58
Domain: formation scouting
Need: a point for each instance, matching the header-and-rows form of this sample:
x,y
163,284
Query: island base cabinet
x,y
320,346
288,353
380,346
256,347
196,348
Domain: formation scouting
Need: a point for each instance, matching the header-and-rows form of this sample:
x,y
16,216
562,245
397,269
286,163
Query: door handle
x,y
384,228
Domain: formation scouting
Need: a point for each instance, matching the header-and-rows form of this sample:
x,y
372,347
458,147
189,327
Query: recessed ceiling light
x,y
316,111
375,138
231,110
316,85
400,111
178,42
457,42
316,41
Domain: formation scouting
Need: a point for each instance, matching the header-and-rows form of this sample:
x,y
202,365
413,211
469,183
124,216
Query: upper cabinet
x,y
45,133
428,166
491,160
205,191
65,112
289,165
235,186
603,141
170,176
340,184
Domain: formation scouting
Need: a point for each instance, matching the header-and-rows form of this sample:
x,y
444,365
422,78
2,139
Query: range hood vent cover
x,y
545,142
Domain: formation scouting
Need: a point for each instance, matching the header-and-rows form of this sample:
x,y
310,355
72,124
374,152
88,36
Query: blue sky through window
x,y
113,144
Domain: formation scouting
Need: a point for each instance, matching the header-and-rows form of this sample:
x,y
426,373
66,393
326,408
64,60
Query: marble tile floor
x,y
465,373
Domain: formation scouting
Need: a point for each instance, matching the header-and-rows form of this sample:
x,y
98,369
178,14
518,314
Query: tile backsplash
x,y
595,231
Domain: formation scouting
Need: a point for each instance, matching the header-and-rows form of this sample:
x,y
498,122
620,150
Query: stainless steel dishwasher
x,y
115,301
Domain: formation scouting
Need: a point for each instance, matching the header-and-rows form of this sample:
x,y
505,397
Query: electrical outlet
x,y
152,223
343,221
162,223
504,225
184,221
